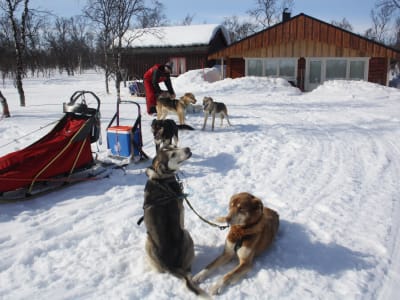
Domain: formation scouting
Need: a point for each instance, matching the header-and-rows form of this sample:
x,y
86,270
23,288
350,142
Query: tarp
x,y
62,151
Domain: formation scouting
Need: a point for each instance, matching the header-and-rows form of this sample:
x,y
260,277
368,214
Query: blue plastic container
x,y
119,140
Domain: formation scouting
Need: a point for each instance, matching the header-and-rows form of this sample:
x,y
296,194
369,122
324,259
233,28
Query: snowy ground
x,y
328,161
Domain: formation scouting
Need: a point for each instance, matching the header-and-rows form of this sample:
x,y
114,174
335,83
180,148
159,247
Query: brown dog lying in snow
x,y
253,228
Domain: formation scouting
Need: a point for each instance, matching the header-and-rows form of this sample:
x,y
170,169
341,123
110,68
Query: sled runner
x,y
61,157
125,142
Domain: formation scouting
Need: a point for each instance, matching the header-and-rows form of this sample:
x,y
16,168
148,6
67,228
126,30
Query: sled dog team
x,y
169,246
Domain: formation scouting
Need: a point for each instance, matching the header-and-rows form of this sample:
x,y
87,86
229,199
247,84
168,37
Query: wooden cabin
x,y
187,47
307,51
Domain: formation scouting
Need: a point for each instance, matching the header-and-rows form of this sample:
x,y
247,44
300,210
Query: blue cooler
x,y
119,140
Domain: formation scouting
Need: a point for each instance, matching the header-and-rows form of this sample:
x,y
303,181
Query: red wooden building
x,y
307,51
188,47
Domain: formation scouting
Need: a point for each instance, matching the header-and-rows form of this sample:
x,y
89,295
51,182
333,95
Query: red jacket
x,y
155,75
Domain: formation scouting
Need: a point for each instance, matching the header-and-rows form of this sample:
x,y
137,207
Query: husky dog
x,y
169,245
165,104
253,227
213,108
164,131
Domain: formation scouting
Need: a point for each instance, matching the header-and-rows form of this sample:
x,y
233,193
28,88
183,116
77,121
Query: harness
x,y
163,191
239,243
172,189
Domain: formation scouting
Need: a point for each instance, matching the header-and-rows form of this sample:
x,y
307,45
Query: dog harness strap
x,y
164,192
167,191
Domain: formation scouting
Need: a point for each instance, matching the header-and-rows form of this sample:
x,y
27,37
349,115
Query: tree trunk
x,y
118,76
18,80
3,101
19,43
107,78
107,72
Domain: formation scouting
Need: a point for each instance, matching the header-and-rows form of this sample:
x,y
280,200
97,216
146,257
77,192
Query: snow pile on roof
x,y
173,36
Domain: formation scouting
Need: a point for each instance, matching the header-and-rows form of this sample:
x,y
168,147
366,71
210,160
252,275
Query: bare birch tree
x,y
18,25
344,24
238,30
381,18
269,12
392,4
123,13
114,18
153,16
100,12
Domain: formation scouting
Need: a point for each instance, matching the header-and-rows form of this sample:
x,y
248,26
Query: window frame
x,y
275,61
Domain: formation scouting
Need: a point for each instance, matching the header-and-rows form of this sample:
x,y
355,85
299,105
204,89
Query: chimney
x,y
285,15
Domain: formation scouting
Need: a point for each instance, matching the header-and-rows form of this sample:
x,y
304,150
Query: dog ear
x,y
159,167
257,204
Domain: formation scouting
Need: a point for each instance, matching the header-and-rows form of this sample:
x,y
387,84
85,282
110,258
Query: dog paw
x,y
221,220
217,288
199,277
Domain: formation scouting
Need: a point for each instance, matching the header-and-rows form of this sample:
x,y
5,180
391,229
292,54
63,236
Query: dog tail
x,y
185,126
189,283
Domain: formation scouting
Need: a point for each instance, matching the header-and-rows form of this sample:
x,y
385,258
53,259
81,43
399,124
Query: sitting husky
x,y
169,245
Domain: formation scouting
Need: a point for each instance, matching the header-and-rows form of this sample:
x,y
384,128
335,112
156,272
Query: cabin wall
x,y
378,70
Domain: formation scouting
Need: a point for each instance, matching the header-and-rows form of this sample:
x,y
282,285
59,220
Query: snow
x,y
328,161
191,35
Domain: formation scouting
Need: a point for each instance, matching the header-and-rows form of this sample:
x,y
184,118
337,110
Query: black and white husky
x,y
169,246
166,131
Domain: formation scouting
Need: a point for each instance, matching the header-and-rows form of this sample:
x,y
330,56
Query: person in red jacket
x,y
151,79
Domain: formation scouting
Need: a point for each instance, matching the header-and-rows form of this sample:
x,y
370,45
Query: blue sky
x,y
357,12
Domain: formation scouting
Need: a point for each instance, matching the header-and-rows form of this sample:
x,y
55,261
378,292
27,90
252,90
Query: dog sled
x,y
60,158
125,142
136,88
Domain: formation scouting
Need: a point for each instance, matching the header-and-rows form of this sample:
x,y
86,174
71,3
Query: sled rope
x,y
77,157
60,179
16,140
220,227
56,157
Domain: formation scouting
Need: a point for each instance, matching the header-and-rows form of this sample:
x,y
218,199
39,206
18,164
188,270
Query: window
x,y
254,67
336,69
287,68
271,68
320,69
179,65
282,67
357,69
315,71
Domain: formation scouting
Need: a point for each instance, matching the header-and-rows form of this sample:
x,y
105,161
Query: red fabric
x,y
18,169
151,98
